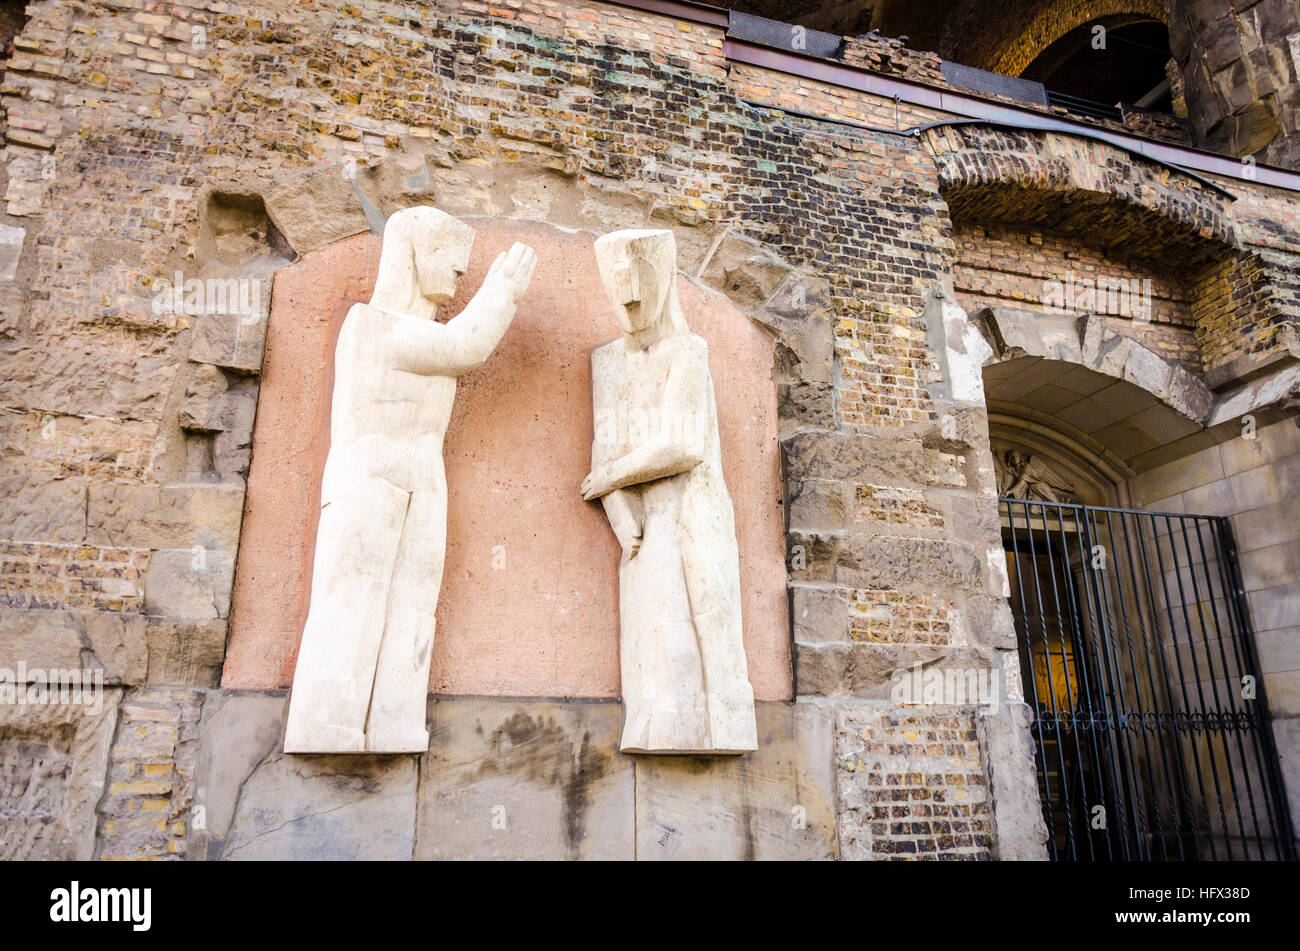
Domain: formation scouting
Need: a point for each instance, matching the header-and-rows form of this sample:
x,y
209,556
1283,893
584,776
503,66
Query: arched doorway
x,y
1109,60
1136,649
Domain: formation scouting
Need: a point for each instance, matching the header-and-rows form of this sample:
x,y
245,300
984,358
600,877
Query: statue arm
x,y
623,509
467,340
626,518
458,346
678,446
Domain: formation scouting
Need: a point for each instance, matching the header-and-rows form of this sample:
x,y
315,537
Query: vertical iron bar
x,y
1051,681
1182,680
1192,718
1099,637
1065,667
1048,804
1088,722
1137,686
1246,719
1153,724
1284,831
1118,695
1228,719
1189,805
1209,741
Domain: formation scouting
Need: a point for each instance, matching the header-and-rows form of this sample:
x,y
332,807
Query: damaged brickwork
x,y
924,794
150,782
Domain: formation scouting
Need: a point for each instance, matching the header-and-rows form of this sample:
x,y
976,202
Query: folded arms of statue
x,y
677,447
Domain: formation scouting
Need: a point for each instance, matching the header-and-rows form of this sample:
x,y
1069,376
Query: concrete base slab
x,y
775,803
526,779
510,779
255,802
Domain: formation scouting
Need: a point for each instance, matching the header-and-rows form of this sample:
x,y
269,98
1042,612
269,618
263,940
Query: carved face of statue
x,y
439,267
438,245
637,269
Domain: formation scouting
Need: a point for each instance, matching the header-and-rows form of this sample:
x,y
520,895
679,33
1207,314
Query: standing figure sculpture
x,y
361,683
657,468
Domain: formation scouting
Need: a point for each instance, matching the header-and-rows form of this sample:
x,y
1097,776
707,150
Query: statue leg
x,y
663,680
711,564
398,706
356,546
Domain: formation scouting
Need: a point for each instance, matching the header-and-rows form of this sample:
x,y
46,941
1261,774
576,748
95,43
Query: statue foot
x,y
403,741
324,738
733,725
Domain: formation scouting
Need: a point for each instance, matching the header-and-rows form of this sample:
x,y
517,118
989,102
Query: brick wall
x,y
1240,303
923,793
72,577
146,803
1002,266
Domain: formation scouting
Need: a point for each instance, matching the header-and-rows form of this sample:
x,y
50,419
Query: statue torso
x,y
390,419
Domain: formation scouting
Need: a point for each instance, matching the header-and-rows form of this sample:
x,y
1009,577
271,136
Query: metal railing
x,y
1084,107
1153,734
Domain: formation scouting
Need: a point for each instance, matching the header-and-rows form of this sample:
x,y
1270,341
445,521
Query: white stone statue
x,y
361,682
657,468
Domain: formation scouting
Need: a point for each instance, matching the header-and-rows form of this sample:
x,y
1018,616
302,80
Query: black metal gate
x,y
1153,735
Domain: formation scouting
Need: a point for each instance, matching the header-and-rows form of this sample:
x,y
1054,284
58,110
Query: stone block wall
x,y
1240,65
52,767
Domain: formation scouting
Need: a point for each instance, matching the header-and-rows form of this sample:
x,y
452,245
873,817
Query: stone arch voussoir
x,y
1088,342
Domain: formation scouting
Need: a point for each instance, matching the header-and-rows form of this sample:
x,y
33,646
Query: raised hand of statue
x,y
510,273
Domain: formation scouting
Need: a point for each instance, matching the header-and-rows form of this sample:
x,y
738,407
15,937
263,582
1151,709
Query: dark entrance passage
x,y
1153,734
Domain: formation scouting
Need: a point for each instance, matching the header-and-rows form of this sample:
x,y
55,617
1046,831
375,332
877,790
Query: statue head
x,y
424,254
639,271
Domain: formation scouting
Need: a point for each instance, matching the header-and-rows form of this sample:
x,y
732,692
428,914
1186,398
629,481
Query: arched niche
x,y
1094,430
528,604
